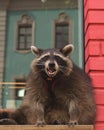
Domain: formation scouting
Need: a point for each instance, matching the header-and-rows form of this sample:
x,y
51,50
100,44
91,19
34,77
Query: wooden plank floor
x,y
47,127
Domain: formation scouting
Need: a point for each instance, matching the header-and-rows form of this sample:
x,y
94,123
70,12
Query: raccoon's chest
x,y
50,87
57,94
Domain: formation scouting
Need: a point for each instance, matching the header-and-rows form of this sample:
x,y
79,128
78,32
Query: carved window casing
x,y
25,33
63,30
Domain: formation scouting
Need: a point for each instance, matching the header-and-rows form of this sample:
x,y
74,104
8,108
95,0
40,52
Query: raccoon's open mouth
x,y
51,72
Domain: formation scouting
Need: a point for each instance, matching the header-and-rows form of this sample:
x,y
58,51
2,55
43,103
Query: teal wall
x,y
16,63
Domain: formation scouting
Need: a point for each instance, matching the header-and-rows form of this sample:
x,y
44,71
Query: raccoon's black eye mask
x,y
43,59
60,61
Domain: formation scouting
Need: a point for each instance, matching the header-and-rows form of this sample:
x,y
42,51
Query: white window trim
x,y
63,17
25,19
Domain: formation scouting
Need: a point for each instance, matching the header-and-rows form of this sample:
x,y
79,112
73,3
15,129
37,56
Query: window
x,y
25,33
24,37
62,34
20,88
62,30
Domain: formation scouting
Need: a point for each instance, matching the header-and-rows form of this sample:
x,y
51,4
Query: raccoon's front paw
x,y
40,123
57,122
72,123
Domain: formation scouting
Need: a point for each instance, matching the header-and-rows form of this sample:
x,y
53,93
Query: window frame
x,y
63,18
24,21
20,82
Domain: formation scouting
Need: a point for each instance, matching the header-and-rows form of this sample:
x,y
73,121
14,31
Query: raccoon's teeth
x,y
51,70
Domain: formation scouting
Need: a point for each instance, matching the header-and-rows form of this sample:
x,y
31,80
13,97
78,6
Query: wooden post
x,y
47,127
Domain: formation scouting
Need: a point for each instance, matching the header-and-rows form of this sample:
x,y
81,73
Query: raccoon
x,y
57,91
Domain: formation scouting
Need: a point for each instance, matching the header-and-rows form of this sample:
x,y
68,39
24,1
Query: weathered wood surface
x,y
47,127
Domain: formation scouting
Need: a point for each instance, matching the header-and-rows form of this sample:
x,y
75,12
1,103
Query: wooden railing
x,y
10,94
47,127
12,83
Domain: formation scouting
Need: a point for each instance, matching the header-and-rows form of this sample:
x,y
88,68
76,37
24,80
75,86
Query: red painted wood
x,y
95,31
102,48
99,126
96,4
100,113
85,9
93,49
97,79
95,63
94,16
93,5
87,38
87,67
94,53
85,2
99,96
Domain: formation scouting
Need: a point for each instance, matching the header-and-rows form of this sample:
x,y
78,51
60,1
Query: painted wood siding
x,y
94,53
2,44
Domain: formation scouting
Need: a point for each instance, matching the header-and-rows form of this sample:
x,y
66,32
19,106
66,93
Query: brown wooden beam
x,y
47,127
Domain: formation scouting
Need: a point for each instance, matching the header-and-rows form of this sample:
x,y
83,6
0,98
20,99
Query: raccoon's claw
x,y
72,123
57,122
40,123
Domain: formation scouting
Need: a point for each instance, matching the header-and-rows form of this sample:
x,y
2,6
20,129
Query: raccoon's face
x,y
52,61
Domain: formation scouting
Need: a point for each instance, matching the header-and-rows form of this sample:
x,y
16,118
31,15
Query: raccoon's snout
x,y
51,68
51,65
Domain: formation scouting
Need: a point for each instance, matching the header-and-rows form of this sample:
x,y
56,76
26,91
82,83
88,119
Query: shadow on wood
x,y
47,127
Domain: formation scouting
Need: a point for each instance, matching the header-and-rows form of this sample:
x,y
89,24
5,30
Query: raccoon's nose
x,y
51,64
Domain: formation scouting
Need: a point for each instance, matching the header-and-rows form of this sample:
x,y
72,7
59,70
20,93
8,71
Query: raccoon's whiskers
x,y
65,70
38,71
63,67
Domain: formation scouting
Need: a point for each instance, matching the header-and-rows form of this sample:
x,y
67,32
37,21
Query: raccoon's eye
x,y
44,58
60,61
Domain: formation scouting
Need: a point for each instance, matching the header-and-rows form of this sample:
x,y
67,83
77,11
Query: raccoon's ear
x,y
36,50
66,50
